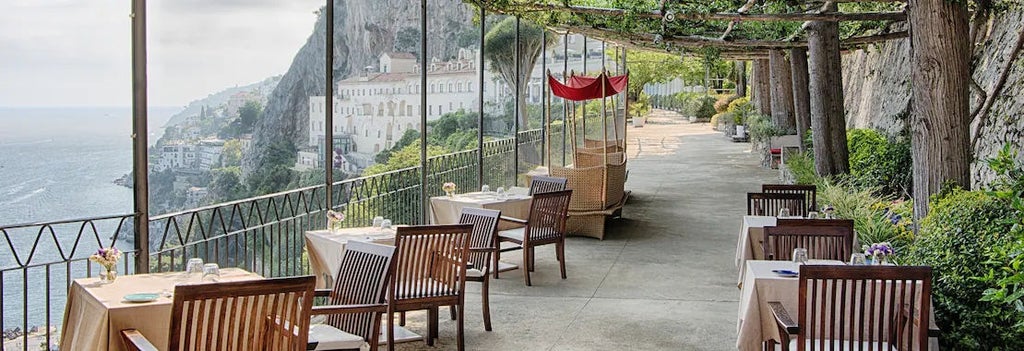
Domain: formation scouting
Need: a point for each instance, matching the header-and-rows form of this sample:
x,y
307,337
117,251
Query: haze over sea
x,y
59,163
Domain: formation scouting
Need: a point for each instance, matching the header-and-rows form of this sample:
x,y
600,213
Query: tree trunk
x,y
801,96
762,96
940,121
741,78
828,121
782,91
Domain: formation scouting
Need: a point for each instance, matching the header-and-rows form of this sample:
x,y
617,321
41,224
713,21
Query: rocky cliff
x,y
363,29
877,88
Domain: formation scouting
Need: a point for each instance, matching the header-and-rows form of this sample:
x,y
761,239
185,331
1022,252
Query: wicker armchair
x,y
545,226
430,271
271,314
882,308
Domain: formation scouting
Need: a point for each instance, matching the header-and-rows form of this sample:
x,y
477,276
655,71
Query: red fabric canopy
x,y
586,88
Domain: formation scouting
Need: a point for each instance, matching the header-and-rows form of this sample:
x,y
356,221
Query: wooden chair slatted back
x,y
431,261
810,192
769,204
823,242
864,307
485,234
548,213
362,279
271,314
544,184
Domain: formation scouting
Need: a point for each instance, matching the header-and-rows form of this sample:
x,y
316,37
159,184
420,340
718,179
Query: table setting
x,y
512,202
326,247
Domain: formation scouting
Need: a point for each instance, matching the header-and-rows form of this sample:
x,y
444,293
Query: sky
x,y
78,52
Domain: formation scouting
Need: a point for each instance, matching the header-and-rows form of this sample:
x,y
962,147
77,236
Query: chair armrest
x,y
322,292
135,341
483,249
512,220
782,318
347,309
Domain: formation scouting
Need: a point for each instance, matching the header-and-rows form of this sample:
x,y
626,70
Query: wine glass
x,y
211,272
812,215
377,221
485,188
858,259
194,266
784,212
386,224
800,255
501,193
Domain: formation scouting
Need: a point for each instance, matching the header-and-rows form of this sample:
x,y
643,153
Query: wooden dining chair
x,y
769,204
810,192
430,272
356,302
269,314
545,184
823,242
545,225
482,245
858,308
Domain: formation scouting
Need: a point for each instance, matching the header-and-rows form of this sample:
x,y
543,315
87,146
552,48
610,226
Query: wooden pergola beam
x,y
693,42
723,16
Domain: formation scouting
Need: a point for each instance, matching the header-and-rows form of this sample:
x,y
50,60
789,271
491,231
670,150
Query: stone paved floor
x,y
663,278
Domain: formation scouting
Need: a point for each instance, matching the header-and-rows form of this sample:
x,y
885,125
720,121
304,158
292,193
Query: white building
x,y
177,154
208,152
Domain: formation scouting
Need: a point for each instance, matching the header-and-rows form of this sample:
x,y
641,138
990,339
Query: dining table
x,y
749,241
326,248
96,312
515,203
755,322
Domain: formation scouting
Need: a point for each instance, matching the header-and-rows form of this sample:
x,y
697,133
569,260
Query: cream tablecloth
x,y
95,314
760,286
446,210
325,249
751,231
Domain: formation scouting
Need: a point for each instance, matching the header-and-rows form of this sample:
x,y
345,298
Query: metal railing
x,y
263,234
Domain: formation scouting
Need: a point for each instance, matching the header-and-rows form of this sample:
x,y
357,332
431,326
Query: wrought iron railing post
x,y
515,135
140,136
329,113
424,199
480,95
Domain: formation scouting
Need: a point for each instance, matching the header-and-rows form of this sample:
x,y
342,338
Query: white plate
x,y
141,297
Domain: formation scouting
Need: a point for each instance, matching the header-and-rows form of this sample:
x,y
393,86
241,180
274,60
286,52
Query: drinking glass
x,y
377,221
800,255
211,272
812,215
386,224
858,259
485,189
784,212
501,192
193,267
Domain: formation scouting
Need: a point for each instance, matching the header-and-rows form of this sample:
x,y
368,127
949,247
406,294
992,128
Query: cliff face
x,y
363,29
876,84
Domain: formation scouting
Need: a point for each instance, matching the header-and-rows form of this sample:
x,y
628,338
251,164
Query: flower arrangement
x,y
107,257
449,188
879,252
334,219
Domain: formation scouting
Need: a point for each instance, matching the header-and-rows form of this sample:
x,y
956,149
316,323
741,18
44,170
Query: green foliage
x,y
762,128
641,107
876,161
227,185
801,166
956,239
1005,277
740,109
405,157
722,104
500,49
231,155
875,219
703,108
276,173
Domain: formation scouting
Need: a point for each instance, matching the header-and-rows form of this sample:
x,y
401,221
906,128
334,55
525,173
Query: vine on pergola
x,y
736,29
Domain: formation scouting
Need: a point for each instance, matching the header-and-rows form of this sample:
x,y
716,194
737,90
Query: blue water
x,y
57,164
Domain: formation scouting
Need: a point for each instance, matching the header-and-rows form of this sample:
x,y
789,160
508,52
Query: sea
x,y
59,163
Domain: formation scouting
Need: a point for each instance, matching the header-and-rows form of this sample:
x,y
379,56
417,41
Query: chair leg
x,y
497,257
526,266
452,310
401,318
391,330
461,323
431,325
560,252
486,300
533,258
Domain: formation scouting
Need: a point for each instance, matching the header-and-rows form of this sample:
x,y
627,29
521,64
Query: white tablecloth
x,y
446,210
95,314
744,248
760,286
326,248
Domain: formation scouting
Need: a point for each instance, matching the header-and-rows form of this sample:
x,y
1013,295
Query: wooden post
x,y
940,76
801,96
762,93
828,121
741,78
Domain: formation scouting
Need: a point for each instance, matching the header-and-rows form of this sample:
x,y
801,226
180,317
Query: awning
x,y
586,88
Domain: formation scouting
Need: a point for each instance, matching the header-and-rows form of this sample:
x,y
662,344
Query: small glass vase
x,y
879,260
108,275
450,194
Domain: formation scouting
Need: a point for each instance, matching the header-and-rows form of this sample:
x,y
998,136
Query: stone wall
x,y
876,83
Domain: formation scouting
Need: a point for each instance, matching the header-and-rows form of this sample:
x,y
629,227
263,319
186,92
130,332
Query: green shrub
x,y
876,161
954,240
723,102
762,128
1005,276
801,168
741,109
703,108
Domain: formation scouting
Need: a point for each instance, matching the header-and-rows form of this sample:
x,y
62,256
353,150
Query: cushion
x,y
776,150
325,337
401,335
475,273
514,234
